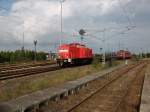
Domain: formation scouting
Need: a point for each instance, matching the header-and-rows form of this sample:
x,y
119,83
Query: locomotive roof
x,y
123,51
77,44
73,44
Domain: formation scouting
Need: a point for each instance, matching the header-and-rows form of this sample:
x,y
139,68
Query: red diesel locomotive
x,y
122,54
74,53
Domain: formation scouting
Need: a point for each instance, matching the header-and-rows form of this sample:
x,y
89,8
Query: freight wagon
x,y
73,53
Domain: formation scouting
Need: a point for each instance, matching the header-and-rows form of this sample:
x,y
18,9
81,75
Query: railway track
x,y
107,95
27,71
13,72
25,65
116,95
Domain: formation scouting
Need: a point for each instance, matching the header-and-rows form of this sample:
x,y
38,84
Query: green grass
x,y
58,78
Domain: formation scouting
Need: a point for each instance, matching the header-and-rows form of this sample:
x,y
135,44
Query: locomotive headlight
x,y
69,60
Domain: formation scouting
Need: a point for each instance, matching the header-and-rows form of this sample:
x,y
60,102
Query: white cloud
x,y
38,17
41,18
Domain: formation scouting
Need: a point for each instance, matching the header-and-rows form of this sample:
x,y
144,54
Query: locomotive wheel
x,y
61,64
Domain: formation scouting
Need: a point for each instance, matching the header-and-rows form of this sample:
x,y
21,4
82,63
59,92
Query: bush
x,y
96,62
20,55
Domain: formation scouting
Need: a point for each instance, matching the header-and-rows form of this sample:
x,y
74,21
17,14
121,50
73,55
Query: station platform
x,y
145,99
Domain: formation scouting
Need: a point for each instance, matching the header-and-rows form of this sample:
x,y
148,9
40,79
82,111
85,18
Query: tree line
x,y
21,56
141,55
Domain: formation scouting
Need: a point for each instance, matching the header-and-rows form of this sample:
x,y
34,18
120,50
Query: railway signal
x,y
82,33
35,43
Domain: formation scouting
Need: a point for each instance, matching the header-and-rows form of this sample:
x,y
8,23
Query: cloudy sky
x,y
124,24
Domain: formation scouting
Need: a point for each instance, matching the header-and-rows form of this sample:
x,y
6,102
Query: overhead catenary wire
x,y
134,9
126,14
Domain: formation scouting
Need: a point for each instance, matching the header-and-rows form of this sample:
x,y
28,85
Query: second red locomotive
x,y
122,54
74,53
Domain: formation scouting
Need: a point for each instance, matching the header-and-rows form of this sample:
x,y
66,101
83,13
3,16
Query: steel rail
x,y
98,90
26,72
